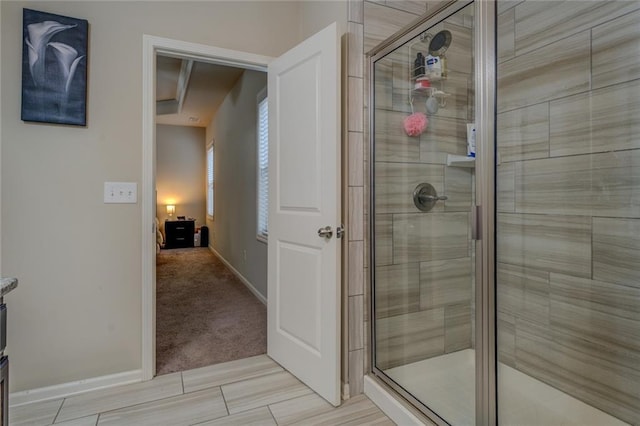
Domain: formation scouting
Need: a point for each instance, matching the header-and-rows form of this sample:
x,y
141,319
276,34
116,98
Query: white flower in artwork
x,y
39,35
68,59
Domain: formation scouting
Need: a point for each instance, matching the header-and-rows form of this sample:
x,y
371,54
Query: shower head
x,y
440,43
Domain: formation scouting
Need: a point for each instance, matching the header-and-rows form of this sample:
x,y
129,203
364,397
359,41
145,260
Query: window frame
x,y
261,235
211,186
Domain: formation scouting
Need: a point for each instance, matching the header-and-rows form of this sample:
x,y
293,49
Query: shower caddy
x,y
422,75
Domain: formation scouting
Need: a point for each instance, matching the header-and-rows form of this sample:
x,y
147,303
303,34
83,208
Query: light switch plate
x,y
121,192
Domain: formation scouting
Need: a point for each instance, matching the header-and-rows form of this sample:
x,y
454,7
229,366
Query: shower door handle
x,y
325,232
476,216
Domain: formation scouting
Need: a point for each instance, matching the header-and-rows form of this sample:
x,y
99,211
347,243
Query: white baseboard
x,y
390,405
245,281
73,388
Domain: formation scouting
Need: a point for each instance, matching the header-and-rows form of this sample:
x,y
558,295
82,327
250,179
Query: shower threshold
x,y
449,390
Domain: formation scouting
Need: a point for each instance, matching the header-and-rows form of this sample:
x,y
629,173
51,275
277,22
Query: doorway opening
x,y
197,293
211,262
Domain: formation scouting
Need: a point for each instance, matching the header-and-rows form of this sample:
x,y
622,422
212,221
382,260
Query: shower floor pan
x,y
446,383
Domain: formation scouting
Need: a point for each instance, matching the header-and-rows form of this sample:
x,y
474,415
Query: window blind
x,y
263,168
210,181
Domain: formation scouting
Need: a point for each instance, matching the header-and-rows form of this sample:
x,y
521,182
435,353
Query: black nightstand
x,y
179,233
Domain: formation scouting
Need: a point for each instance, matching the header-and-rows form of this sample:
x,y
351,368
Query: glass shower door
x,y
422,186
568,212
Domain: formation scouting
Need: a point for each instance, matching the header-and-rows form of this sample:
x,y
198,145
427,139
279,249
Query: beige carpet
x,y
204,314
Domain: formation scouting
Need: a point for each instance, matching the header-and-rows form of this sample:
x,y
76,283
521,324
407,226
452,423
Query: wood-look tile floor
x,y
251,391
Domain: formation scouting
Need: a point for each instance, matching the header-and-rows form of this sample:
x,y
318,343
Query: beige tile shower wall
x,y
423,260
368,24
380,24
357,305
569,198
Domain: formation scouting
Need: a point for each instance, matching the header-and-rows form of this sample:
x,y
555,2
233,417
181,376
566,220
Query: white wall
x,y
0,144
181,170
233,230
316,15
77,312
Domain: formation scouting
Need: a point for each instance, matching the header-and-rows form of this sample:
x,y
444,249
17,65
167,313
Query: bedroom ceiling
x,y
189,93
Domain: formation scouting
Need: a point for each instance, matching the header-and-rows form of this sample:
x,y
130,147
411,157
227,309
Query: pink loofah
x,y
415,124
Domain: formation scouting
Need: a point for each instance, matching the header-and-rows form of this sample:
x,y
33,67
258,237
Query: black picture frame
x,y
54,68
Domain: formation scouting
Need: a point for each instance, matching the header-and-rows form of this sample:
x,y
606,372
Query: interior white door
x,y
304,196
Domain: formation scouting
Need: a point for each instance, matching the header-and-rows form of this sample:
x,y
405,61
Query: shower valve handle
x,y
432,198
425,197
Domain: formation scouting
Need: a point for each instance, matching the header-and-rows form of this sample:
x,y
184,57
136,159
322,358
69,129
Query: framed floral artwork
x,y
54,68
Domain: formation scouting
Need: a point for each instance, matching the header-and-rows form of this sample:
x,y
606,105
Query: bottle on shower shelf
x,y
418,65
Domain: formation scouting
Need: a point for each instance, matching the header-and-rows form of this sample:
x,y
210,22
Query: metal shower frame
x,y
483,214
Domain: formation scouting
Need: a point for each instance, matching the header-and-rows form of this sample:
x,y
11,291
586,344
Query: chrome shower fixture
x,y
439,43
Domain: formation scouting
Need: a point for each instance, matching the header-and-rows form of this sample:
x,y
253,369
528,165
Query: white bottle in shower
x,y
471,140
433,67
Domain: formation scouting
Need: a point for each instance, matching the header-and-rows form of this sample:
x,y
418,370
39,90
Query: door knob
x,y
325,232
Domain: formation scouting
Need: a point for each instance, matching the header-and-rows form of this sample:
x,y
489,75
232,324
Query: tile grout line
x,y
97,419
115,409
415,15
224,399
548,136
239,380
131,406
284,400
332,410
590,59
592,262
58,412
271,412
209,420
312,392
182,382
